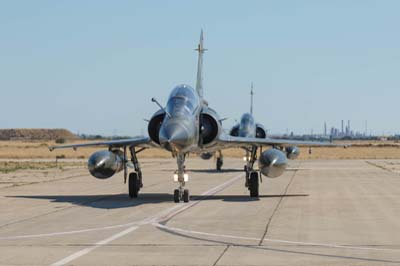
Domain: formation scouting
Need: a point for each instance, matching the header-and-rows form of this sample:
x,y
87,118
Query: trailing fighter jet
x,y
187,124
248,128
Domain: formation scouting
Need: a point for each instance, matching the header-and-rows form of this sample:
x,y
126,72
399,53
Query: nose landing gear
x,y
181,194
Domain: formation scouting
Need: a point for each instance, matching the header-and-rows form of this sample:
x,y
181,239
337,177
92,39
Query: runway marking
x,y
95,246
179,230
160,217
167,215
69,232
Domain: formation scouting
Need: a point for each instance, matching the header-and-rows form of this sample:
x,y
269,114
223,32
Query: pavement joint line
x,y
165,216
380,166
299,243
276,209
222,254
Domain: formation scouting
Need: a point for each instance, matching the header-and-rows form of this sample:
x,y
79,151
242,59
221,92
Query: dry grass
x,y
7,167
362,150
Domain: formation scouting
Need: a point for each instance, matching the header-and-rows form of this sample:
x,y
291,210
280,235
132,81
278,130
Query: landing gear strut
x,y
220,161
135,182
181,194
252,176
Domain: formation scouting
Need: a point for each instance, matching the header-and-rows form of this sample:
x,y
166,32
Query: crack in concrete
x,y
276,209
222,254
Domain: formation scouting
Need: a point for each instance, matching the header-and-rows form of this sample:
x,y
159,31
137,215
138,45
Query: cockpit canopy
x,y
246,120
182,101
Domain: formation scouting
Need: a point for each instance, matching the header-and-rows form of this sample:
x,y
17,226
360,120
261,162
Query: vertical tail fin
x,y
251,101
199,83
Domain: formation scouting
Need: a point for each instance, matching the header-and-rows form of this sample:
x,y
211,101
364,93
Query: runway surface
x,y
317,213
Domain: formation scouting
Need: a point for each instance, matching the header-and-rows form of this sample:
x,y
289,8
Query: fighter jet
x,y
248,128
186,125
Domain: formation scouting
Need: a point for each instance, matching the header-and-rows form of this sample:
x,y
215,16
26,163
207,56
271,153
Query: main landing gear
x,y
181,194
252,176
135,182
220,161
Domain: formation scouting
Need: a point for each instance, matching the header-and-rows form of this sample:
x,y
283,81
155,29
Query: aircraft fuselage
x,y
179,132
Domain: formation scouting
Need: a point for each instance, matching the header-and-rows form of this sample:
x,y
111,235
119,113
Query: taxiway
x,y
318,213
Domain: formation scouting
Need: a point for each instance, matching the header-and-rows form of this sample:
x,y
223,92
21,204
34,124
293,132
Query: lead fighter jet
x,y
186,125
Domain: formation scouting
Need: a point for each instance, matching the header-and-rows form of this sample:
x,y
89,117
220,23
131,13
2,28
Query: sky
x,y
93,66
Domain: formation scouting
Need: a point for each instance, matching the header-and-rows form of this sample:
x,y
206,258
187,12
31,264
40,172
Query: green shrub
x,y
61,140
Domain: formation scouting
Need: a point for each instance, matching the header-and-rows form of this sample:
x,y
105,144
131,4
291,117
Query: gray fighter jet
x,y
248,128
186,125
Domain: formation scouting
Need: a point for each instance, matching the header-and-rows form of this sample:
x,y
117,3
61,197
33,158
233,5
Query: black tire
x,y
253,184
176,195
134,185
219,164
186,195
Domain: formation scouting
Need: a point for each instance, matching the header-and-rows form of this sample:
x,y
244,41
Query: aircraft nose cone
x,y
174,136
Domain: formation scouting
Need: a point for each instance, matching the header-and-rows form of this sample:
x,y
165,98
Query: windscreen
x,y
182,101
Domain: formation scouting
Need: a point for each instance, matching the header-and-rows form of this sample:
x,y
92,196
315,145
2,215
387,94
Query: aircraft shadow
x,y
245,198
215,170
118,201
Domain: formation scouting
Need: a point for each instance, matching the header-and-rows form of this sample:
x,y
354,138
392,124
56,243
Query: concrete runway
x,y
317,213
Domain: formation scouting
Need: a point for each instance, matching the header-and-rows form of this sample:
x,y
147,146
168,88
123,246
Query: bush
x,y
61,140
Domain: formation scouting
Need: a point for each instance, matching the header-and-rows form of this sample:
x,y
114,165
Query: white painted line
x,y
70,232
167,214
179,230
162,216
95,246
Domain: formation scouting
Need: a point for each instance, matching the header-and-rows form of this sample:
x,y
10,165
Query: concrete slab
x,y
317,213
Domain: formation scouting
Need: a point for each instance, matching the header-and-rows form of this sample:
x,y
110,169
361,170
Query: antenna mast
x,y
251,102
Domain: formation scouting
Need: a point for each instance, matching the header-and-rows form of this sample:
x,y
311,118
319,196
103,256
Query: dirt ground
x,y
360,150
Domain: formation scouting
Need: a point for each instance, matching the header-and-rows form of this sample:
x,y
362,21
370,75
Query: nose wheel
x,y
181,195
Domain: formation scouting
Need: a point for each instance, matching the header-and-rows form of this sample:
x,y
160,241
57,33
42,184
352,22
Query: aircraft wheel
x,y
176,195
186,195
253,184
134,185
219,164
